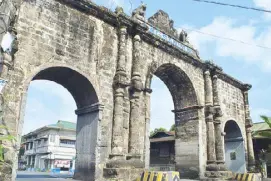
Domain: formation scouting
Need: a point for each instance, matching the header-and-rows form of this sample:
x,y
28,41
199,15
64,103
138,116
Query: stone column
x,y
249,124
211,155
117,140
148,92
218,133
137,128
120,84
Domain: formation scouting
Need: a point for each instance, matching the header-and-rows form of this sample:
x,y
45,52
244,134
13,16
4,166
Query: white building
x,y
51,146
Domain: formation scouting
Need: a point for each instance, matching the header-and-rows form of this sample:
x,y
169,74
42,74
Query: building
x,y
162,151
51,146
262,147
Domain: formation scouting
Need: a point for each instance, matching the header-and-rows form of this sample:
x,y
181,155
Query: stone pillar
x,y
147,127
117,140
87,143
137,128
120,84
249,124
211,155
217,123
187,136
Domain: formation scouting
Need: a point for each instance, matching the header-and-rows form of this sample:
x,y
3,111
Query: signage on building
x,y
62,163
2,84
172,41
7,42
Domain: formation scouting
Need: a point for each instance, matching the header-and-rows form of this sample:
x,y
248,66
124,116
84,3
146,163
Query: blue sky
x,y
248,63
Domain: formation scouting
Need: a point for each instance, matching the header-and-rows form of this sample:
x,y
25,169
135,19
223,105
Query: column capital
x,y
137,38
123,30
196,107
88,109
121,79
209,109
215,77
207,73
249,123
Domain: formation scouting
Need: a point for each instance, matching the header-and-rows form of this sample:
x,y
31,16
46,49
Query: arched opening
x,y
234,148
58,139
184,156
162,137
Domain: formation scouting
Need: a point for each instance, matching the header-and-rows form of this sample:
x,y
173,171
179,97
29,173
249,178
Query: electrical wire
x,y
233,5
226,38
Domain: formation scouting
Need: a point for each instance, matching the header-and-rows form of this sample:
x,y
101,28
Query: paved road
x,y
41,176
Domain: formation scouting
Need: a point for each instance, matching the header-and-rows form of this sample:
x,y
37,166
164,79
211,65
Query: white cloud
x,y
111,4
53,89
230,28
265,4
256,113
47,102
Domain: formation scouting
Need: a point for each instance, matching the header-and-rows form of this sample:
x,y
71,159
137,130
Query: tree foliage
x,y
158,130
172,128
264,133
4,138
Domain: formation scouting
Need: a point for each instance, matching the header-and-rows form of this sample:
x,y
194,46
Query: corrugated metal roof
x,y
64,125
59,125
260,127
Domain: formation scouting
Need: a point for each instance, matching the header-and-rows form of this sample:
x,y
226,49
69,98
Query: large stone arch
x,y
186,110
88,111
234,147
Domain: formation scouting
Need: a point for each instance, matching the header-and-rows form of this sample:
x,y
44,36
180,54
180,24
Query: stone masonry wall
x,y
232,105
196,145
52,34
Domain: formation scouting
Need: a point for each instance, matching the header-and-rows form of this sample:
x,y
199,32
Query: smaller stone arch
x,y
88,112
37,70
234,147
178,83
186,111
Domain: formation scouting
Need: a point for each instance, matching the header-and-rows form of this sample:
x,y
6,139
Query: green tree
x,y
263,153
158,130
264,133
3,138
172,128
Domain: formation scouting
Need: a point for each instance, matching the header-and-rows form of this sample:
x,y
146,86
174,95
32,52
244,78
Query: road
x,y
42,176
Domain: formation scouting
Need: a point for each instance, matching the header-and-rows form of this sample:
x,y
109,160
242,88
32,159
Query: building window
x,y
52,138
67,142
233,155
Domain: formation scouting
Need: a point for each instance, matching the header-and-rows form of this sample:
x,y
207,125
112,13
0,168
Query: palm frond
x,y
267,120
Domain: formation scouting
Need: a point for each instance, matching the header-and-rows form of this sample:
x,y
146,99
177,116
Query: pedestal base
x,y
123,168
218,175
122,174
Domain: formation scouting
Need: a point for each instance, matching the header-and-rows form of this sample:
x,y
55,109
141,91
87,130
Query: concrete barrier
x,y
245,177
159,176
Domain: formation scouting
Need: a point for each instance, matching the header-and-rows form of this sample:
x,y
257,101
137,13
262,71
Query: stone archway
x,y
234,148
88,109
186,118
